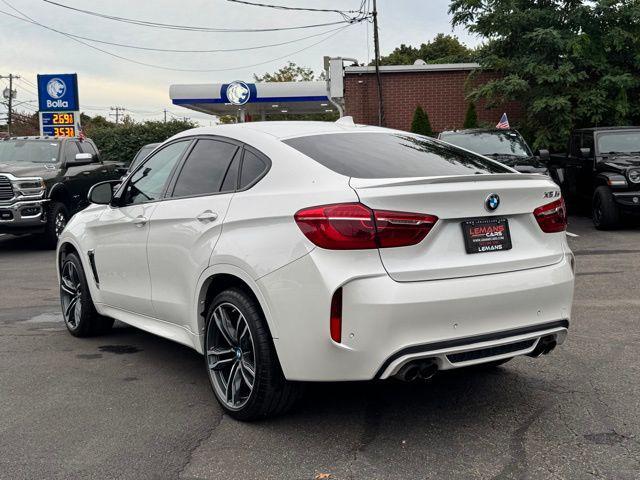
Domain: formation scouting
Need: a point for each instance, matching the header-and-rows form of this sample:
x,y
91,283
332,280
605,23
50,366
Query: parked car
x,y
142,154
601,172
45,180
313,251
504,145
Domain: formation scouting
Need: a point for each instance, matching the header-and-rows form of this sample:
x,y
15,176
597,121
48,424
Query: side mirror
x,y
81,159
102,193
544,155
585,152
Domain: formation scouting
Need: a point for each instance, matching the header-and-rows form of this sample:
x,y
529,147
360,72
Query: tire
x,y
235,326
79,313
57,218
606,214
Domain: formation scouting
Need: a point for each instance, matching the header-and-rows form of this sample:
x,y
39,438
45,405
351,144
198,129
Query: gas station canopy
x,y
255,99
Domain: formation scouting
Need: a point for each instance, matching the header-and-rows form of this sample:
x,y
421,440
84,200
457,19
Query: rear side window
x,y
252,168
88,148
205,168
71,150
390,155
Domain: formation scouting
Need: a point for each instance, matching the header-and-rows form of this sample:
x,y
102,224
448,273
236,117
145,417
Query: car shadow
x,y
25,243
469,389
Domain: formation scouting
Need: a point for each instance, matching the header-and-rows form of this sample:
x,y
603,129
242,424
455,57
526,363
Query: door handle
x,y
140,221
86,172
207,216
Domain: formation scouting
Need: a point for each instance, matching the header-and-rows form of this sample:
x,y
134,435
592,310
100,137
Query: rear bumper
x,y
463,352
387,323
23,217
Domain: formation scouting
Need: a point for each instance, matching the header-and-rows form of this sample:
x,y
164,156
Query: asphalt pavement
x,y
130,405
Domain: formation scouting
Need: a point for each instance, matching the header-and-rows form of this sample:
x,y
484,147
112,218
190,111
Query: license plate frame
x,y
483,235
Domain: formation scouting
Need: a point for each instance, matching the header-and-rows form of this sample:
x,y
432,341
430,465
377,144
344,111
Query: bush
x,y
421,124
471,118
119,143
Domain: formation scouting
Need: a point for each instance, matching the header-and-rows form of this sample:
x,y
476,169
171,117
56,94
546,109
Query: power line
x,y
11,93
26,88
118,111
178,50
161,67
189,28
343,13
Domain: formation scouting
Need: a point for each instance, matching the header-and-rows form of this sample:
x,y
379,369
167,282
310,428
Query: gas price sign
x,y
59,124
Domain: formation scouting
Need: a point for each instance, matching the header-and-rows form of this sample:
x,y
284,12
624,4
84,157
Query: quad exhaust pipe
x,y
420,370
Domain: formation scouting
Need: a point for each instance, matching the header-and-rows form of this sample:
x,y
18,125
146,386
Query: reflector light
x,y
335,318
351,226
552,217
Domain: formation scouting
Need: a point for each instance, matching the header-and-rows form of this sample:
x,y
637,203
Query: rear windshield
x,y
28,151
390,155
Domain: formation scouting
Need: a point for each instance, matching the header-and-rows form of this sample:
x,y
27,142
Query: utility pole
x,y
165,115
376,42
118,111
9,97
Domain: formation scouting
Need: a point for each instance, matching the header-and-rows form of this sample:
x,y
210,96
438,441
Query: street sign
x,y
60,124
58,92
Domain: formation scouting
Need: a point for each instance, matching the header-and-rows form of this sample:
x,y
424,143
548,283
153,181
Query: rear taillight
x,y
552,217
353,226
399,229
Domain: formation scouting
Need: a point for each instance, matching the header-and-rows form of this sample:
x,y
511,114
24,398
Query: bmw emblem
x,y
492,202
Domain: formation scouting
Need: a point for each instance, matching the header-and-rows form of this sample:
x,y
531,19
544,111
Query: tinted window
x,y
490,143
205,168
390,155
252,168
141,155
231,178
88,148
71,150
35,151
148,183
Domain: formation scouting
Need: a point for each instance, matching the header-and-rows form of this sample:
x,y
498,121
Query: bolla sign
x,y
58,92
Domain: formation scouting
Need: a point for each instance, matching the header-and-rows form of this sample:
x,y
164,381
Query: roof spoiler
x,y
401,182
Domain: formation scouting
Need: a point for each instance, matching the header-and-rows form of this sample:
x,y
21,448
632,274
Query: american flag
x,y
504,122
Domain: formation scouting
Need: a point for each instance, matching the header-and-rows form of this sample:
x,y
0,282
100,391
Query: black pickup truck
x,y
504,145
45,180
601,171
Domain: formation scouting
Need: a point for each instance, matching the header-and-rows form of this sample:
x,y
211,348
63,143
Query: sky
x,y
106,81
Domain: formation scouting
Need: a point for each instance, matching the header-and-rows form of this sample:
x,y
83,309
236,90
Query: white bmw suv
x,y
307,251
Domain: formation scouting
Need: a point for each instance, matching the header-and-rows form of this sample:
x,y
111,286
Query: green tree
x,y
421,123
442,49
120,143
571,63
289,73
292,72
471,118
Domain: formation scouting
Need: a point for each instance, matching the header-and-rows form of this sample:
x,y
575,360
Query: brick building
x,y
440,89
